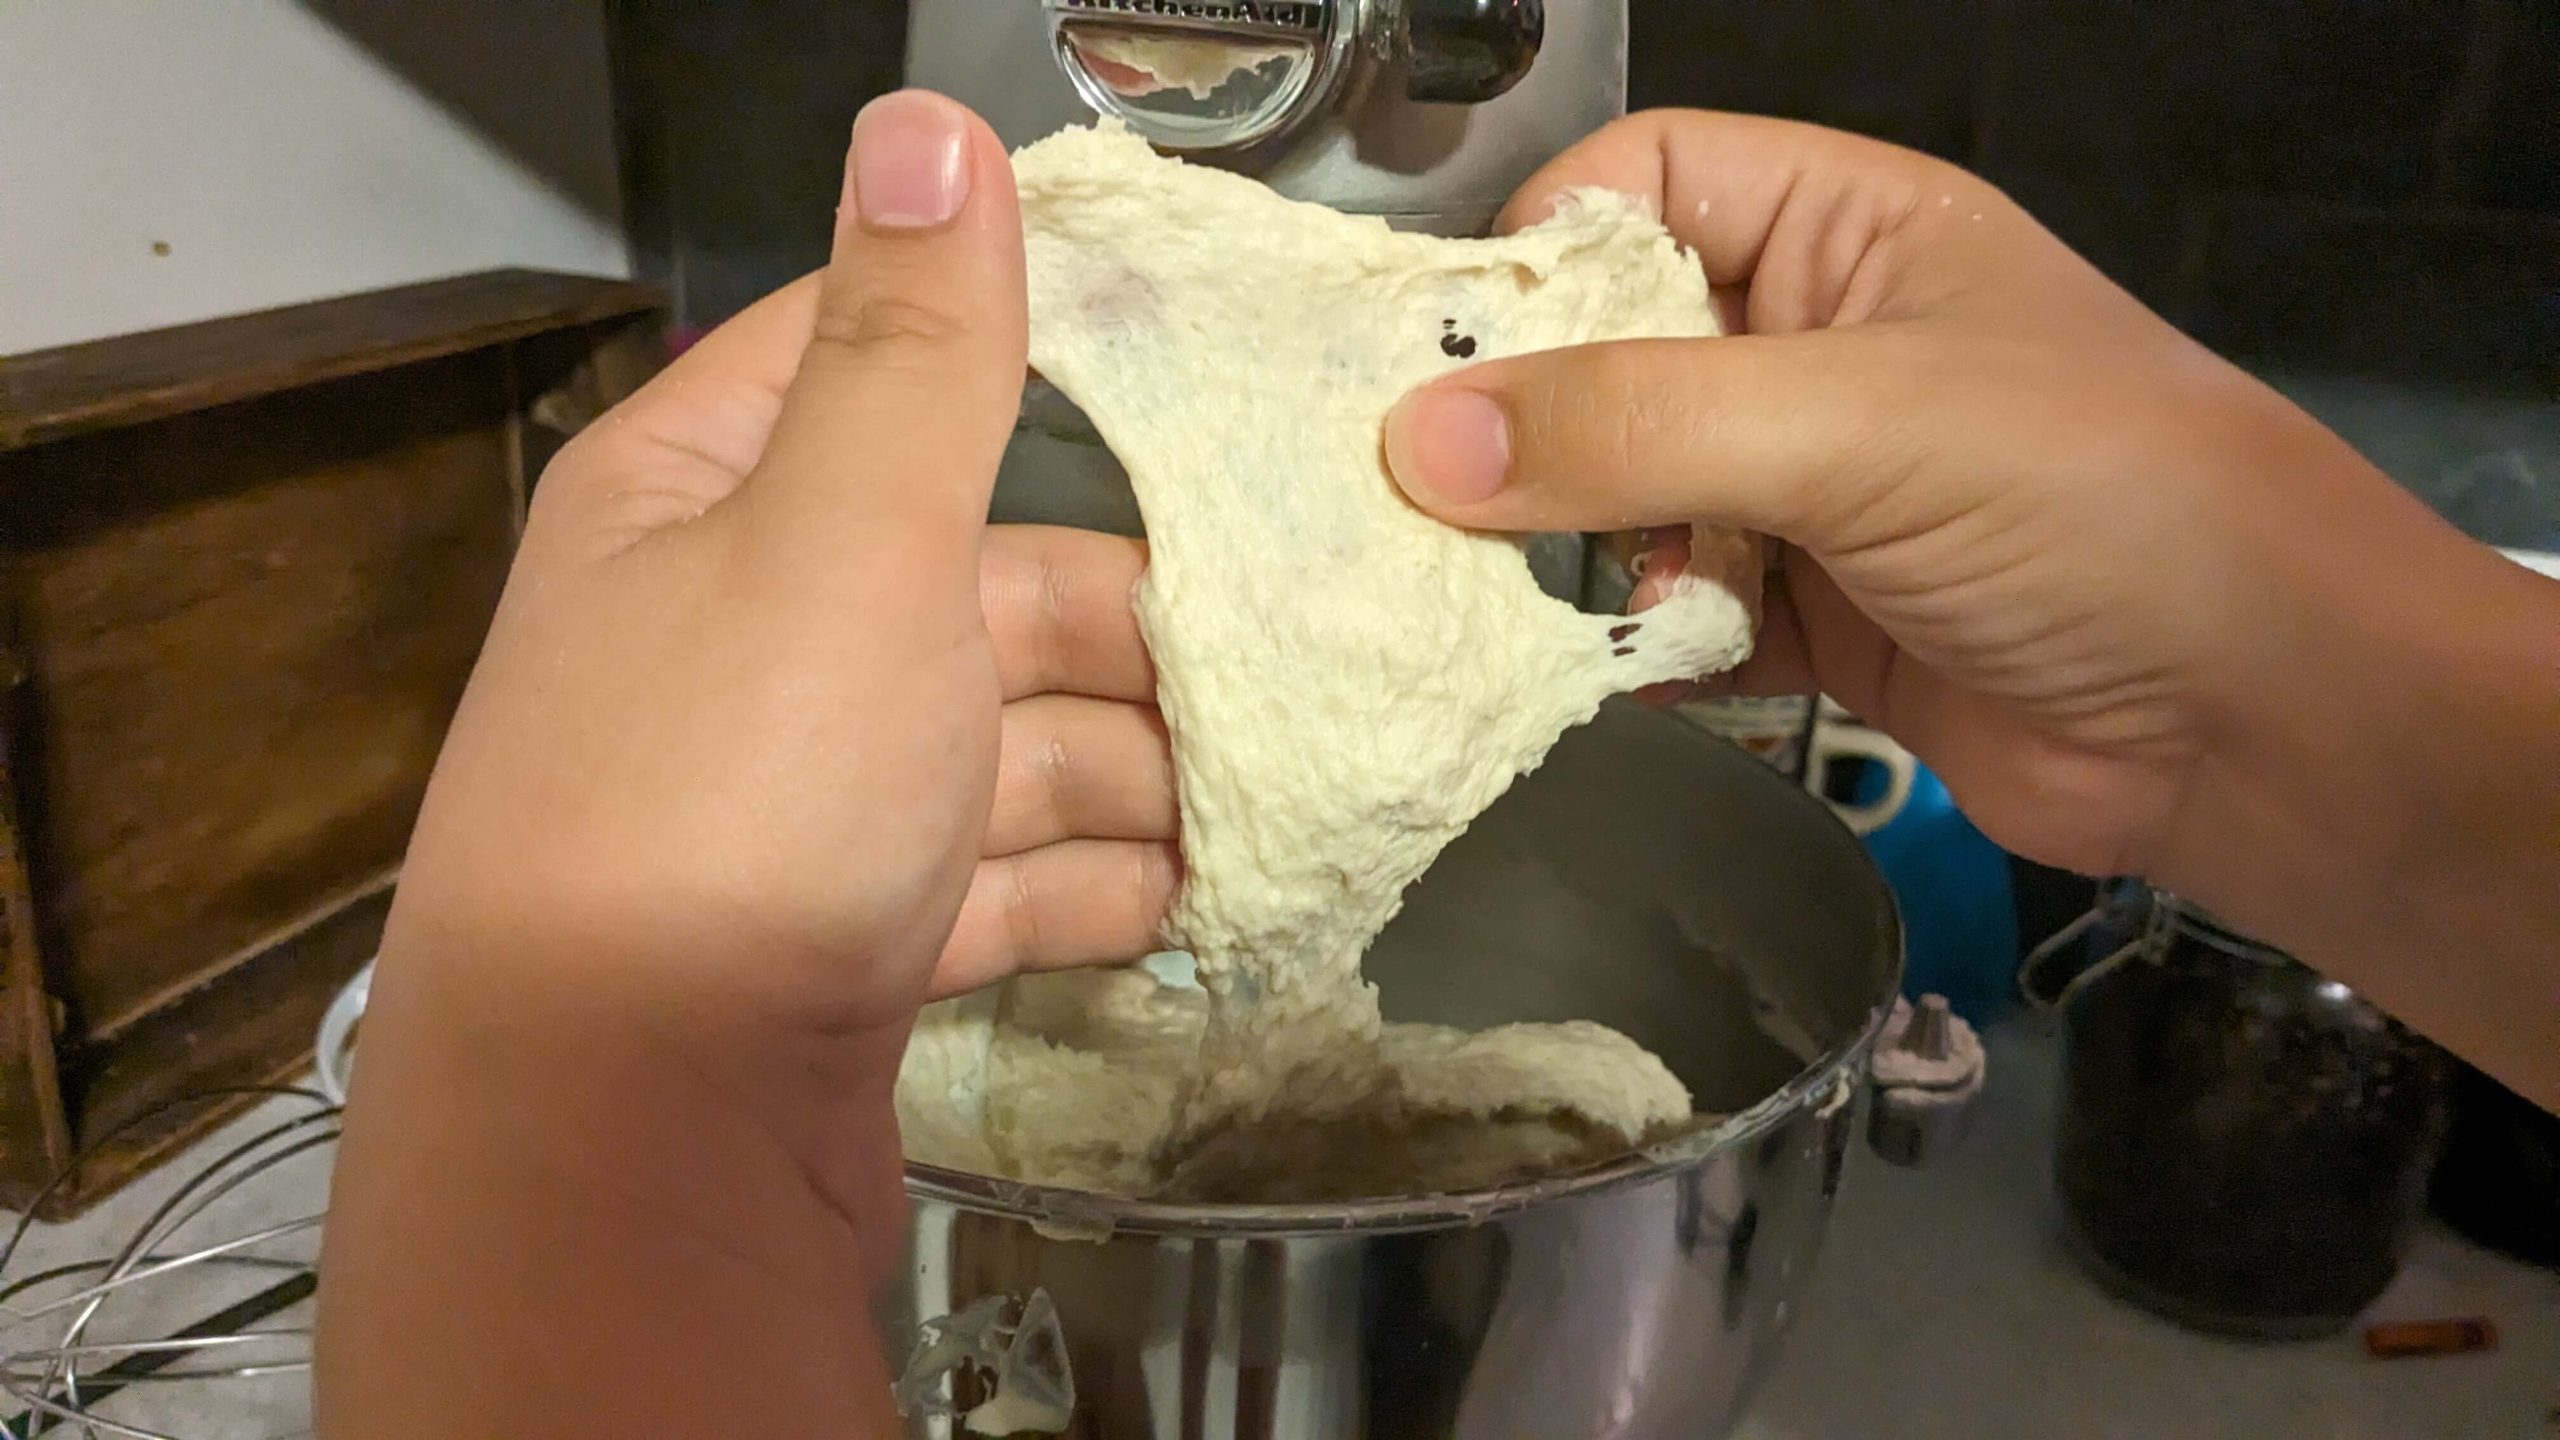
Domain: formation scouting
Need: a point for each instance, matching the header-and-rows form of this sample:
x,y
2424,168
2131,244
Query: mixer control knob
x,y
1465,52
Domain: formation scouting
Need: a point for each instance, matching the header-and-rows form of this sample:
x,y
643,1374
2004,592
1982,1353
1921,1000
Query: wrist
x,y
627,1069
2381,795
533,1178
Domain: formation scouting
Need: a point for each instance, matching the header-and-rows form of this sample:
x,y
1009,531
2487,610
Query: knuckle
x,y
1002,577
1880,450
1053,616
1027,596
1024,925
1159,875
996,585
1053,773
1035,777
1016,805
1602,415
885,324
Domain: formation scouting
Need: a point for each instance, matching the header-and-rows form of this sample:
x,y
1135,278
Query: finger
x,y
889,433
1779,663
1793,435
1072,767
1657,555
1787,214
715,404
1058,605
682,442
1082,902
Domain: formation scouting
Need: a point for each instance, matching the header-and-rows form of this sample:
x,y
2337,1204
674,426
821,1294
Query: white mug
x,y
1838,737
2545,561
1771,727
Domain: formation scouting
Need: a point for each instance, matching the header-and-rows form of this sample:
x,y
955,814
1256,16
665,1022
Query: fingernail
x,y
1450,445
910,167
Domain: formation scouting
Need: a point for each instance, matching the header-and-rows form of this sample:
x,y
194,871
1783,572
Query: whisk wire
x,y
59,1386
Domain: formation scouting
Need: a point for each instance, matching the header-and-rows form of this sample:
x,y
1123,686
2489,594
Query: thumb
x,y
893,423
1793,435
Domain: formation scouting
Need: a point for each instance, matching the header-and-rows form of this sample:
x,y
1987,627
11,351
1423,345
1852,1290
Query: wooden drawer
x,y
244,569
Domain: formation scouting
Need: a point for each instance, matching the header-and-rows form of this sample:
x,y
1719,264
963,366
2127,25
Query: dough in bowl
x,y
1347,683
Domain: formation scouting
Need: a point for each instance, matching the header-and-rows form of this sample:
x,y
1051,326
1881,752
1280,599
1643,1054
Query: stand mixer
x,y
1427,112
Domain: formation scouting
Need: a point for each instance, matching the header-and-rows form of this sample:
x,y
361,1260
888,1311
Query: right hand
x,y
2049,543
2139,612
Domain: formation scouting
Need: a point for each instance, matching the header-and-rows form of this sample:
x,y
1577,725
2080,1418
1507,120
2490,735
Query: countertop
x,y
1945,1306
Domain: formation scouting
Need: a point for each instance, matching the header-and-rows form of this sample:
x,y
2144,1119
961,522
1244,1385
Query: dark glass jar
x,y
2244,1144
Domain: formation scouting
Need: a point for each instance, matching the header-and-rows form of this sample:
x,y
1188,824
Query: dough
x,y
1076,1080
1347,682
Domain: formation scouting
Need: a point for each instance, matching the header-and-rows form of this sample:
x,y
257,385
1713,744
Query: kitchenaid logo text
x,y
1307,15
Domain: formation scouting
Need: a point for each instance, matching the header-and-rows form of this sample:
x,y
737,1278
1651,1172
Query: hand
x,y
771,740
2024,517
2140,613
746,719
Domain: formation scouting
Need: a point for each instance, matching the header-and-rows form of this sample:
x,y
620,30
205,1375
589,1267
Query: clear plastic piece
x,y
1020,1349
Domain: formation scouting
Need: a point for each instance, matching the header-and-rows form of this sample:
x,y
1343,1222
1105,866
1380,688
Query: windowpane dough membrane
x,y
1347,682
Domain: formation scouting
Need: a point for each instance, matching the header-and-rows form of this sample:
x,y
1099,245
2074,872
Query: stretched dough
x,y
1348,683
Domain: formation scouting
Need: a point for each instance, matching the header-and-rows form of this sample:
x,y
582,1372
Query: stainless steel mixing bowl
x,y
1647,876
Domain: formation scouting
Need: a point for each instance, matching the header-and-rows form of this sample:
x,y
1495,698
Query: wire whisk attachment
x,y
102,1344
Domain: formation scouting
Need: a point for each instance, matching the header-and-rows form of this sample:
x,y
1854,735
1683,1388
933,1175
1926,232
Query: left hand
x,y
768,708
771,740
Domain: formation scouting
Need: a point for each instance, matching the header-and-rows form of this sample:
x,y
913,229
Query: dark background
x,y
2364,188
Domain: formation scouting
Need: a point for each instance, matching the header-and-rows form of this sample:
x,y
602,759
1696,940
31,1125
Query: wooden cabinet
x,y
244,569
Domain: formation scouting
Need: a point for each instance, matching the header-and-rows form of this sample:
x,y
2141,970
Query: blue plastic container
x,y
1959,915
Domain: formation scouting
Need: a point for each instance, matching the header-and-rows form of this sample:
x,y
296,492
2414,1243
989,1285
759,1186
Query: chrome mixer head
x,y
1216,75
193,1322
1429,113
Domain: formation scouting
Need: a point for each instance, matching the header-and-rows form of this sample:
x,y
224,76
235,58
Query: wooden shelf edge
x,y
105,1032
48,395
159,1086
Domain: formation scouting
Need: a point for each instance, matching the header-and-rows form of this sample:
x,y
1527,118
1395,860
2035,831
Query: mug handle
x,y
1862,743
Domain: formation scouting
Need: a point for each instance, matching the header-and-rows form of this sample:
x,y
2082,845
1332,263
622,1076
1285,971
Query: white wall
x,y
284,152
